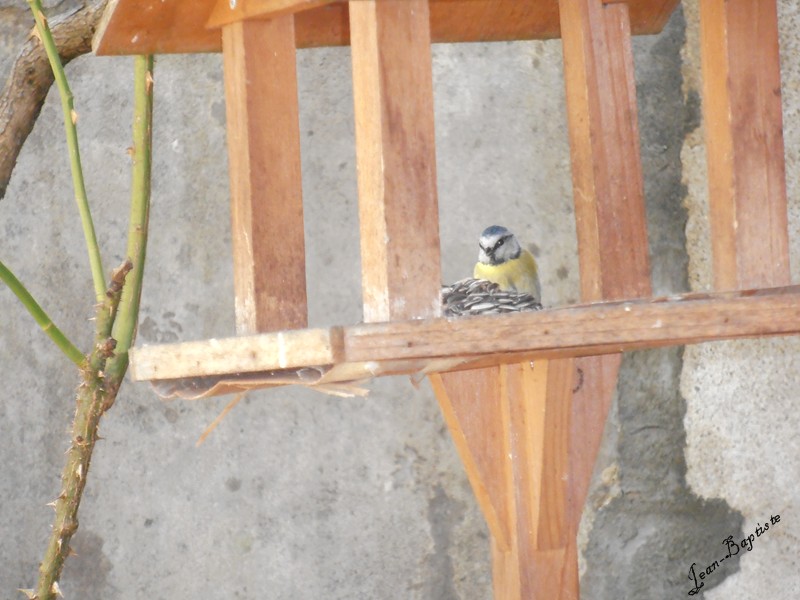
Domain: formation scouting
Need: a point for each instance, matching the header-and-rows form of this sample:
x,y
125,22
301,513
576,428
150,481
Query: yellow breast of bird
x,y
519,274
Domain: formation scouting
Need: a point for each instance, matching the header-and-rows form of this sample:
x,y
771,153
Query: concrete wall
x,y
300,495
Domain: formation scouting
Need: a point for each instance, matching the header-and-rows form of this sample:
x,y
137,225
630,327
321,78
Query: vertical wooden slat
x,y
609,200
604,144
744,143
393,90
610,216
264,162
506,575
539,399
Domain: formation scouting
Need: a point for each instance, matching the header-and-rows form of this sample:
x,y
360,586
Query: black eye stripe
x,y
500,242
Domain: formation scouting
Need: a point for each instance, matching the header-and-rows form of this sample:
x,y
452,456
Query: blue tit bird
x,y
503,261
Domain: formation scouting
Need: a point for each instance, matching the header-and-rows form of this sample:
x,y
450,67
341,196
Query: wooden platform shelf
x,y
340,354
525,396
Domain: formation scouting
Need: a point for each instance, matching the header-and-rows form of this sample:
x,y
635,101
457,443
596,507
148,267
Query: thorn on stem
x,y
55,589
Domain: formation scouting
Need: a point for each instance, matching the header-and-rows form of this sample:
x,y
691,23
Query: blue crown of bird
x,y
505,279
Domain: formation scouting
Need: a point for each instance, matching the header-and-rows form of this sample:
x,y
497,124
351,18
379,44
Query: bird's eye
x,y
499,243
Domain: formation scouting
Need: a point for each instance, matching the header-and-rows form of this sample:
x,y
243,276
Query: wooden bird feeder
x,y
527,434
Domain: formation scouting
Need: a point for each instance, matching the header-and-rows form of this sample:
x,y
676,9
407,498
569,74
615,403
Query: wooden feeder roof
x,y
178,26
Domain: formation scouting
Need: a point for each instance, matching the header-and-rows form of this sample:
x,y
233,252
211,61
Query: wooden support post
x,y
511,427
538,396
609,212
398,211
744,143
264,157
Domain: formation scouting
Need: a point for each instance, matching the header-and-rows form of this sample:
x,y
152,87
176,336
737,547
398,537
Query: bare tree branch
x,y
31,77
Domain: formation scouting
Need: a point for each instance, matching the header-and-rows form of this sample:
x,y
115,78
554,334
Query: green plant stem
x,y
115,328
40,316
70,119
95,394
127,319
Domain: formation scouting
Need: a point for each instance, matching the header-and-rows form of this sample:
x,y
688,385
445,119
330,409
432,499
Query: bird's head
x,y
497,245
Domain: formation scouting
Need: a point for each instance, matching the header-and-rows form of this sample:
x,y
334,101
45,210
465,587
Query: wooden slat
x,y
744,142
604,145
506,583
539,398
610,214
574,331
594,329
265,179
281,350
613,255
157,27
224,13
395,150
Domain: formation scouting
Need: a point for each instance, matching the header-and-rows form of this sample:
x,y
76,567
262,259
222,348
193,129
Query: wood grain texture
x,y
594,329
396,155
539,397
475,410
611,224
281,350
573,331
506,580
223,13
604,145
744,143
591,402
511,427
265,179
156,27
